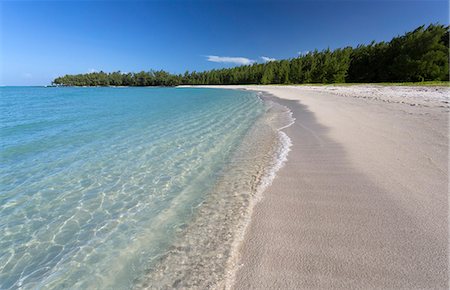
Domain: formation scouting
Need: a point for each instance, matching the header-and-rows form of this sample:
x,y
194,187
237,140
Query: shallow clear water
x,y
96,183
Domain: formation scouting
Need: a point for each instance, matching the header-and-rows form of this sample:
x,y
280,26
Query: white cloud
x,y
304,52
267,59
229,59
27,75
92,70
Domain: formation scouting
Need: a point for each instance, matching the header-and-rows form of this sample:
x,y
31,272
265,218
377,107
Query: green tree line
x,y
419,55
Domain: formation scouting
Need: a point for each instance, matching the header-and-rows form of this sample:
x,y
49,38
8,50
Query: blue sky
x,y
41,40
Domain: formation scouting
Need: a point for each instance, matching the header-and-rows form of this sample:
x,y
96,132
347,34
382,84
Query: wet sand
x,y
362,201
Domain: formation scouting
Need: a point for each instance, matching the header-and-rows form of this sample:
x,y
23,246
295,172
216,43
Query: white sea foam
x,y
279,159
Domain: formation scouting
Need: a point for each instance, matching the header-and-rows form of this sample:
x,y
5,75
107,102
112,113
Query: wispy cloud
x,y
267,59
229,59
304,52
92,70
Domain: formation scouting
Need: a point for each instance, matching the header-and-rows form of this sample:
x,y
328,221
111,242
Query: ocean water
x,y
120,188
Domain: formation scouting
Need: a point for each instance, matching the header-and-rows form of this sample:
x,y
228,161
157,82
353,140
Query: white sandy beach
x,y
362,201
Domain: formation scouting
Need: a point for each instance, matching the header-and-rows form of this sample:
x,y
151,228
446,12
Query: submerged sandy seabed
x,y
362,201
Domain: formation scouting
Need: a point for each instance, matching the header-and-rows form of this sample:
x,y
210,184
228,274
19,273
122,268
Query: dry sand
x,y
362,201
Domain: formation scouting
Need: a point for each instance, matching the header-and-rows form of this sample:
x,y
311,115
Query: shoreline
x,y
362,199
277,160
204,253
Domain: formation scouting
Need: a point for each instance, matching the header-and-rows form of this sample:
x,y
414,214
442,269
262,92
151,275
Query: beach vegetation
x,y
417,56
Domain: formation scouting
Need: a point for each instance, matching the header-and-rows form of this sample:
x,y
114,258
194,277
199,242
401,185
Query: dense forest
x,y
419,55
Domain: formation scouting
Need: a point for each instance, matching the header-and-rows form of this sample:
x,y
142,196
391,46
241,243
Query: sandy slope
x,y
362,201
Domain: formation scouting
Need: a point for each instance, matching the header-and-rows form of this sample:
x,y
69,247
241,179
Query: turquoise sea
x,y
120,188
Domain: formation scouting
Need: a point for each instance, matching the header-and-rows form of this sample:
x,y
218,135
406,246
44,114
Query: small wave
x,y
278,160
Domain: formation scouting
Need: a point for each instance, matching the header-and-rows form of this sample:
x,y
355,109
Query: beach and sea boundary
x,y
362,201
